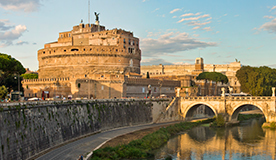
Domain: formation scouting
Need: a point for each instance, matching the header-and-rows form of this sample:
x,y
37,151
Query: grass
x,y
143,148
243,117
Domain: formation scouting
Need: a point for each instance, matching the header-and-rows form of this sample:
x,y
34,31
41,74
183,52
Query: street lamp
x,y
18,82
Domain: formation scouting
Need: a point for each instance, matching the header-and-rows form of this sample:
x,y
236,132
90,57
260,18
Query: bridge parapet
x,y
245,98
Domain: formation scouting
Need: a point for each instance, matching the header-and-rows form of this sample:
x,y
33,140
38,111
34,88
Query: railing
x,y
229,98
39,103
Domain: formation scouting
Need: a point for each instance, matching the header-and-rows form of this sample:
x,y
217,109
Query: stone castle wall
x,y
85,51
28,130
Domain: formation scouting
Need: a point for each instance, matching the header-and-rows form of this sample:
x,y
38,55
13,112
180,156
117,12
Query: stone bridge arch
x,y
187,110
237,108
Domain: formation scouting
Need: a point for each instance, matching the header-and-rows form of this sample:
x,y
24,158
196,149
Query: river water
x,y
245,142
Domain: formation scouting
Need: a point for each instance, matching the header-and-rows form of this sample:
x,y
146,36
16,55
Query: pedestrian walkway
x,y
84,146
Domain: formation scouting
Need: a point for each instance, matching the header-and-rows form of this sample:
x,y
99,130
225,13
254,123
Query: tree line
x,y
10,70
257,81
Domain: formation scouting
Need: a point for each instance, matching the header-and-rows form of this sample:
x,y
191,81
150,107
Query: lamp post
x,y
18,84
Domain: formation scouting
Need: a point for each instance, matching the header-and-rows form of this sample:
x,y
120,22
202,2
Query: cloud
x,y
195,35
269,26
3,25
269,17
19,5
171,43
274,7
196,27
207,29
181,63
22,42
7,36
174,17
156,10
196,23
175,10
187,14
193,18
154,61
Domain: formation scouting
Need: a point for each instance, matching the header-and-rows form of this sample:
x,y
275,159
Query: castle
x,y
93,62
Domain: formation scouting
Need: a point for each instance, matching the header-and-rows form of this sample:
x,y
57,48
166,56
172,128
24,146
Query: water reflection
x,y
242,142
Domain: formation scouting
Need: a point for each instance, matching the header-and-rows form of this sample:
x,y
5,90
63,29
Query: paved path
x,y
84,146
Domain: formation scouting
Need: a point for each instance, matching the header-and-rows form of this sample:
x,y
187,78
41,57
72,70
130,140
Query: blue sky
x,y
170,31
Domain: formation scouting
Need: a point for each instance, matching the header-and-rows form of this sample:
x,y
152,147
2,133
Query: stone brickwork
x,y
29,129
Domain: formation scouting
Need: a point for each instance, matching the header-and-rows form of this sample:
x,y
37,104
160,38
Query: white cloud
x,y
187,14
236,15
195,35
196,23
193,18
175,10
196,27
174,17
274,7
154,61
269,17
19,5
182,63
171,43
207,29
21,42
156,10
217,32
7,36
269,26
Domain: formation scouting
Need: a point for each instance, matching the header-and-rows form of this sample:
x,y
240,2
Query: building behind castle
x,y
187,74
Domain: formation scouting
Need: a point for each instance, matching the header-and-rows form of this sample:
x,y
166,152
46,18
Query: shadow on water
x,y
247,141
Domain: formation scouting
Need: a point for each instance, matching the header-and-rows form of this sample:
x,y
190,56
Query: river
x,y
244,142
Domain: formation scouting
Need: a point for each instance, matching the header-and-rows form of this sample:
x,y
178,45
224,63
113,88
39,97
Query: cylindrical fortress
x,y
85,51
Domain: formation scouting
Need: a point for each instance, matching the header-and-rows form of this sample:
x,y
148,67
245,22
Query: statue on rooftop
x,y
97,16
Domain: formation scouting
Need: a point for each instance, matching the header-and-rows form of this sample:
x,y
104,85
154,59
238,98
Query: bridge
x,y
229,106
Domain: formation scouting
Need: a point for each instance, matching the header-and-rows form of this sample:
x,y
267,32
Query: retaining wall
x,y
28,129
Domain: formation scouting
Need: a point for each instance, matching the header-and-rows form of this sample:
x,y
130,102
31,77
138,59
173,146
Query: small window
x,y
85,75
124,40
49,52
116,50
90,49
102,87
102,76
69,34
61,36
84,49
43,52
64,50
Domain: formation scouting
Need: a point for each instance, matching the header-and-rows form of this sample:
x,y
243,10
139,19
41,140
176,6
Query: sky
x,y
170,31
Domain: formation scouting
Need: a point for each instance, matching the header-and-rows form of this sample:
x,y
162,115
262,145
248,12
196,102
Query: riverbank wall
x,y
28,129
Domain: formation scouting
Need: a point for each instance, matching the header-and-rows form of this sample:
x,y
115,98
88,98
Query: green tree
x,y
3,92
257,81
212,76
30,76
9,68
